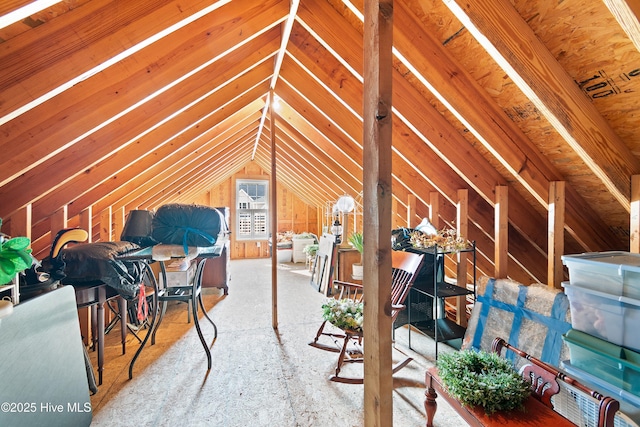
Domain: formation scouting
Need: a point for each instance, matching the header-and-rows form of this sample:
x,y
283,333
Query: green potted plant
x,y
15,256
311,250
356,239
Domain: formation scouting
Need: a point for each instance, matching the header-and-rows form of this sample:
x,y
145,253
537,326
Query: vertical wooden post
x,y
378,42
411,210
634,221
555,270
105,225
86,222
319,220
462,225
59,220
118,223
273,210
394,212
21,222
434,209
501,231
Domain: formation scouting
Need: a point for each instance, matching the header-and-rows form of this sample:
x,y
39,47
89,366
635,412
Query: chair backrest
x,y
404,270
544,383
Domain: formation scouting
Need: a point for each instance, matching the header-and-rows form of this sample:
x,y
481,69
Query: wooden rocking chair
x,y
405,266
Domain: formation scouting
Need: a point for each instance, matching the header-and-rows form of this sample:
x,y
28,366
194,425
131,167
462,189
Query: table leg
x,y
102,296
122,308
430,404
153,325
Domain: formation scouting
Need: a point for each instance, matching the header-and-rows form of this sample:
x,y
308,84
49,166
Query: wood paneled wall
x,y
293,213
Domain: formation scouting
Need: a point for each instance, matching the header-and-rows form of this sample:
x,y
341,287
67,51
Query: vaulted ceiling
x,y
136,103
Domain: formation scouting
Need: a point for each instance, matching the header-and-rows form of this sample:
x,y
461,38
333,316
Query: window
x,y
252,201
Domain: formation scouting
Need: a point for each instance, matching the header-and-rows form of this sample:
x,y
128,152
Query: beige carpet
x,y
260,376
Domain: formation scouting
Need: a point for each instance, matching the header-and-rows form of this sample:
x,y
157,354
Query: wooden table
x,y
535,414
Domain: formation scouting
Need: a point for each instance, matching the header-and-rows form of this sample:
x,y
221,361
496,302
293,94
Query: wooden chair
x,y
347,342
544,383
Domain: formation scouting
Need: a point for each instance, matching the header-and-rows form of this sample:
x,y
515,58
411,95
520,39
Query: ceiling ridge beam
x,y
286,33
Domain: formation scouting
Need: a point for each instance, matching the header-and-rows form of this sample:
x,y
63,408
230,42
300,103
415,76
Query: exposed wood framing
x,y
634,234
21,222
501,232
378,381
462,228
105,225
86,222
273,214
506,36
556,233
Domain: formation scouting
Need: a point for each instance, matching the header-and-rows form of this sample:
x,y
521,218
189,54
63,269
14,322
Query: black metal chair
x,y
191,294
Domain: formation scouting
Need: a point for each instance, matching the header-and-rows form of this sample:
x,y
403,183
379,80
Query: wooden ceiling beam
x,y
191,174
130,182
627,14
309,168
502,32
348,159
318,159
493,128
286,31
82,42
194,179
139,76
192,118
206,154
211,155
324,99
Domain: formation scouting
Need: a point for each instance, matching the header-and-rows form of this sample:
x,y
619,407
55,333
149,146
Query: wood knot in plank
x,y
382,111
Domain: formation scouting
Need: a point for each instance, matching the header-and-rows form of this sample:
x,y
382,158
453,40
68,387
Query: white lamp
x,y
345,205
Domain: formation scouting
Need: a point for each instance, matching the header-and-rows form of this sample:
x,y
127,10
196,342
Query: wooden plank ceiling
x,y
135,103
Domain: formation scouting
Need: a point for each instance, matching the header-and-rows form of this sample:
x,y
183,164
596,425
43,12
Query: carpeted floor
x,y
260,376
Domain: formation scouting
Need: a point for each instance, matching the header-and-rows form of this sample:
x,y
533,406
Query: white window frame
x,y
252,216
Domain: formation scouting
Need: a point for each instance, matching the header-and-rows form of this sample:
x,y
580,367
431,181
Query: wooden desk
x,y
535,413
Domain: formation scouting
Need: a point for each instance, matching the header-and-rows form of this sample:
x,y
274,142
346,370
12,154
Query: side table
x,y
535,412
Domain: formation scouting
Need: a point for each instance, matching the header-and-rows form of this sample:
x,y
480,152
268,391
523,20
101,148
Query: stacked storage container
x,y
604,298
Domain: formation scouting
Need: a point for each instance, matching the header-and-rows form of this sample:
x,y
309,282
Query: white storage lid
x,y
622,260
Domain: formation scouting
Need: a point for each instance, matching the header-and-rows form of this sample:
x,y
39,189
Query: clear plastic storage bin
x,y
613,272
612,318
611,363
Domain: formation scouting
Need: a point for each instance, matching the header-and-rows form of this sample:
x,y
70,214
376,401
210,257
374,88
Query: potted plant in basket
x,y
356,240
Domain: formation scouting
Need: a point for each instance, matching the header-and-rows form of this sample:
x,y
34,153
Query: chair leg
x,y
341,360
204,311
160,317
318,334
341,356
194,305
